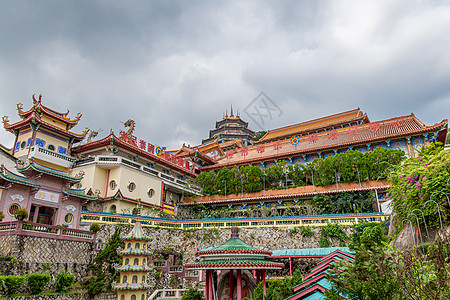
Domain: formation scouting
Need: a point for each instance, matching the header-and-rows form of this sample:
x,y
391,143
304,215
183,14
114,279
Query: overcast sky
x,y
175,66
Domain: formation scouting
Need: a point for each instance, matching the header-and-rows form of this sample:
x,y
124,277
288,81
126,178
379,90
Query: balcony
x,y
51,157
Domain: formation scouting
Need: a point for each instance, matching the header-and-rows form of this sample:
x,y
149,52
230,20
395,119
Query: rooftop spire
x,y
231,114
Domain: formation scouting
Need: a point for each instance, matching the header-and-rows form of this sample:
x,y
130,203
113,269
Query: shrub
x,y
94,227
192,294
63,281
1,216
21,214
306,231
12,283
36,282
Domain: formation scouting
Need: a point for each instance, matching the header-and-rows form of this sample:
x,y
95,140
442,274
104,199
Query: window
x,y
134,280
112,185
138,246
113,208
143,279
62,150
133,297
151,193
122,297
68,218
131,186
51,147
136,261
127,261
125,279
143,261
129,245
23,144
143,297
13,208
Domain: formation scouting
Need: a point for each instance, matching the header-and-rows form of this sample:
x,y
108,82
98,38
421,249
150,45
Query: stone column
x,y
36,212
239,285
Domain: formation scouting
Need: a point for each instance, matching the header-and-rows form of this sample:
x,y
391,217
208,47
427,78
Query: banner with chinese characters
x,y
48,196
156,150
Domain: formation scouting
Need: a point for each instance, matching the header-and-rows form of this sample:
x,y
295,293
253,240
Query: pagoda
x,y
133,283
232,262
230,128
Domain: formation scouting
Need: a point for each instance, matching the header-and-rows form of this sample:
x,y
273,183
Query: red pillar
x,y
231,284
239,285
264,282
207,287
290,266
211,294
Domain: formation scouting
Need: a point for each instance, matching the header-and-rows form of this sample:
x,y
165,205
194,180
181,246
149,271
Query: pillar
x,y
239,285
264,282
290,266
211,291
231,284
36,212
207,286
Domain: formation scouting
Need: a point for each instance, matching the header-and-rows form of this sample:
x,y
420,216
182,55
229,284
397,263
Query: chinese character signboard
x,y
43,195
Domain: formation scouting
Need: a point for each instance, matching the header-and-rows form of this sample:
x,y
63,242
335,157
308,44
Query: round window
x,y
13,208
131,186
22,146
151,193
68,218
51,147
112,185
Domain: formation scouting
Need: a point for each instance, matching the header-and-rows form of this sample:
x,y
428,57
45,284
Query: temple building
x,y
41,182
123,170
230,128
133,283
229,268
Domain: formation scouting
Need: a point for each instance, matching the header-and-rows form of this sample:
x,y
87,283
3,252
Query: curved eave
x,y
48,171
79,194
132,268
235,266
331,146
33,118
131,286
111,139
233,251
132,251
8,176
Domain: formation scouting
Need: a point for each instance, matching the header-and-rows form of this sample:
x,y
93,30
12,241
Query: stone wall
x,y
80,296
32,253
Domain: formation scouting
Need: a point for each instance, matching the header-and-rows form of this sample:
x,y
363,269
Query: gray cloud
x,y
175,66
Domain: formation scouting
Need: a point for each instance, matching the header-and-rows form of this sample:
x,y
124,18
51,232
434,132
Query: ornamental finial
x,y
234,232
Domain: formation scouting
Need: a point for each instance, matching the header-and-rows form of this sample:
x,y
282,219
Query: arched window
x,y
143,297
122,297
138,246
134,279
136,261
127,261
143,261
133,297
129,245
113,208
125,279
143,279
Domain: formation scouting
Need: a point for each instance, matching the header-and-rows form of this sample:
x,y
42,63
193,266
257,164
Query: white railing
x,y
110,159
169,294
51,156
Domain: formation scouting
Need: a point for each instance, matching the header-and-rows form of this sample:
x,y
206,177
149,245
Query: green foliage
x,y
323,242
351,202
95,227
278,289
37,282
193,294
370,166
371,275
21,214
12,283
2,216
415,181
336,231
258,135
305,231
63,281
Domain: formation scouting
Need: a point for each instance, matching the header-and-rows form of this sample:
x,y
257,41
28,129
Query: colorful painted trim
x,y
132,286
49,171
134,251
133,268
11,177
235,264
136,234
233,251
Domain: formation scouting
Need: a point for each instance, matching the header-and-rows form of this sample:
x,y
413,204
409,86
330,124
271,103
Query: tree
x,y
95,227
193,294
258,135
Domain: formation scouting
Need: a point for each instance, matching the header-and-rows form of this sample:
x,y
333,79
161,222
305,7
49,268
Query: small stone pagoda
x,y
133,283
231,264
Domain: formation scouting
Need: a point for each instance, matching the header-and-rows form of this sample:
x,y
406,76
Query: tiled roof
x,y
235,264
133,268
136,234
327,141
132,286
336,119
79,194
49,171
134,251
11,177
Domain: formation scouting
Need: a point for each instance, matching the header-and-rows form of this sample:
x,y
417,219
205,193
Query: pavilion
x,y
233,255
